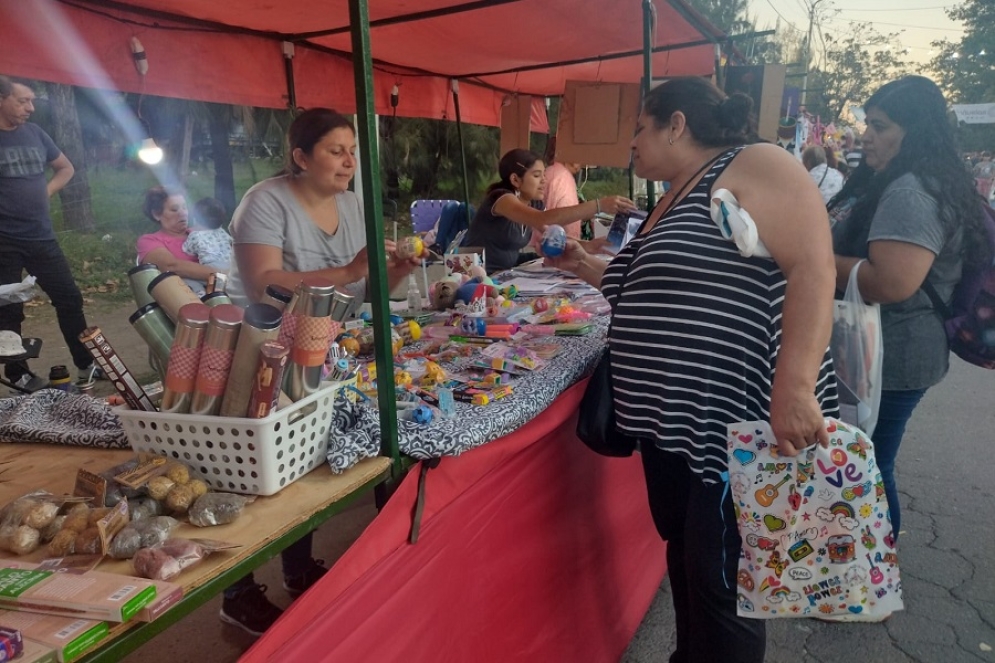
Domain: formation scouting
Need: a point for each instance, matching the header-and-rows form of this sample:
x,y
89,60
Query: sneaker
x,y
28,384
250,610
90,374
297,585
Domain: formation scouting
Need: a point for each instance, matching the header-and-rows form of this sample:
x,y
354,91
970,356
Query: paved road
x,y
946,475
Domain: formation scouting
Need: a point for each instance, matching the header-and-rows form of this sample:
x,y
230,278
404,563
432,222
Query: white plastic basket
x,y
253,456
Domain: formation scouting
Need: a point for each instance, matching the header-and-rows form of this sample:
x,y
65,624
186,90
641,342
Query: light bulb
x,y
149,152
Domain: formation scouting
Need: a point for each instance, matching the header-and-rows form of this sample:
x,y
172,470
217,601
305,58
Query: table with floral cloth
x,y
356,427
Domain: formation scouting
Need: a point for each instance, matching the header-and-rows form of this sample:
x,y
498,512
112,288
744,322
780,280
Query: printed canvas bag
x,y
817,539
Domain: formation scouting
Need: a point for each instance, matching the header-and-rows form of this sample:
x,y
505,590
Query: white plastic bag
x,y
857,355
817,538
14,293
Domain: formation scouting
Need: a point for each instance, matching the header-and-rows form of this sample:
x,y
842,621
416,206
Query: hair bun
x,y
734,111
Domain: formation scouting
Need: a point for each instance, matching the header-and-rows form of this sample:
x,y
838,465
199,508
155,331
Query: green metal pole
x,y
359,20
462,150
649,24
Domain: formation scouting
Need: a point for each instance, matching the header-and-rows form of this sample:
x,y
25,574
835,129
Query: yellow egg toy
x,y
410,247
433,374
402,379
350,344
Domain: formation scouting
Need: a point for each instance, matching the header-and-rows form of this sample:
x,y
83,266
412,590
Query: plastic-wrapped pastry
x,y
216,509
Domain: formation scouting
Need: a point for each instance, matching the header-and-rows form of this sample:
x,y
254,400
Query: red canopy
x,y
232,51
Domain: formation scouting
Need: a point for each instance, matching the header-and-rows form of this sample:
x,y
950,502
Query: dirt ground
x,y
200,636
110,316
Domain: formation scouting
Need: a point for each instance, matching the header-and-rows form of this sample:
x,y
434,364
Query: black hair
x,y
155,200
929,152
309,128
713,119
7,84
210,213
514,162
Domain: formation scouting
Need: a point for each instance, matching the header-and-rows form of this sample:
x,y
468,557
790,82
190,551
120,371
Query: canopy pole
x,y
288,68
649,26
366,130
462,150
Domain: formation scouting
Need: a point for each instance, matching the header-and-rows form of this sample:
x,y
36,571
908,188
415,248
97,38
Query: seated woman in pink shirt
x,y
164,248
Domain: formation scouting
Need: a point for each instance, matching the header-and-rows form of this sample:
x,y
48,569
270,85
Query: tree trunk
x,y
77,214
224,177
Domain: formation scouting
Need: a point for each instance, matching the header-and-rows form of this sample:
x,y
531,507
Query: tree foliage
x,y
965,69
857,62
730,16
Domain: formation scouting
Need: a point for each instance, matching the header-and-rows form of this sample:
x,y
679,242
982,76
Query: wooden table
x,y
268,525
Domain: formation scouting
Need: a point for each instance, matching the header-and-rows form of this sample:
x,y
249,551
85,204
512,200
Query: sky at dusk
x,y
920,21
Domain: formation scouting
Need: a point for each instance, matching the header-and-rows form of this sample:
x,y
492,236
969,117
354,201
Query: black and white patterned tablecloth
x,y
356,433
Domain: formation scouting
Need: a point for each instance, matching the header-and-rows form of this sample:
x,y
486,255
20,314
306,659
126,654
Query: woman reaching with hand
x,y
505,219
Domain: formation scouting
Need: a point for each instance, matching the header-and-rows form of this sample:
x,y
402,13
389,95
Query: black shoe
x,y
297,585
250,610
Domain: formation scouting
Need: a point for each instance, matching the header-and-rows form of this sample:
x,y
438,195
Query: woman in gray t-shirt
x,y
910,211
306,222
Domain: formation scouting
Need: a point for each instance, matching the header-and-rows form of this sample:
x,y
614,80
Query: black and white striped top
x,y
696,334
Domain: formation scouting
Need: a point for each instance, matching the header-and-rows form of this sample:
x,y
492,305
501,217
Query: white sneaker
x,y
28,383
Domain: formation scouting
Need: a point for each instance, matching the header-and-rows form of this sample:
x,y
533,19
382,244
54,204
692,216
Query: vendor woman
x,y
505,219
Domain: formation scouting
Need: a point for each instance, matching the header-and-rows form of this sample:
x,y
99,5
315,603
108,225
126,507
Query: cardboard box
x,y
36,652
89,594
167,594
67,637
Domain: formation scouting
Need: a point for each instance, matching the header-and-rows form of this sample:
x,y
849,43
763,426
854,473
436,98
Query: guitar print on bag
x,y
768,493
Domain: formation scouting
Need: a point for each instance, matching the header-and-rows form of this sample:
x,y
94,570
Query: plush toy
x,y
444,295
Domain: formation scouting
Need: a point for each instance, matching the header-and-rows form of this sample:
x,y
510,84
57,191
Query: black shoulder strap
x,y
934,297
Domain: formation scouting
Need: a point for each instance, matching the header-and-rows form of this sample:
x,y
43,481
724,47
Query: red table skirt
x,y
532,548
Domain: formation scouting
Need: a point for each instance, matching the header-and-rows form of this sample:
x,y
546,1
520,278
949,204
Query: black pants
x,y
699,525
45,261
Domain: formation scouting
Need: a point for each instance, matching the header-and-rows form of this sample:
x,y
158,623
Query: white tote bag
x,y
817,539
857,355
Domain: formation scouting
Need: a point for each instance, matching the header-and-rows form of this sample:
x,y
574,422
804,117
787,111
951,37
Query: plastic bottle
x,y
414,294
58,378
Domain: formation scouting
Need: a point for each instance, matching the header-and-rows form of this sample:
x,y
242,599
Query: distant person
x,y
207,239
164,248
985,168
828,179
911,213
505,217
561,189
27,239
854,155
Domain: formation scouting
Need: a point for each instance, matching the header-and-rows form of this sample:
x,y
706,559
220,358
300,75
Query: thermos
x,y
172,293
58,378
139,277
215,358
260,324
267,379
156,329
313,333
216,298
277,296
184,356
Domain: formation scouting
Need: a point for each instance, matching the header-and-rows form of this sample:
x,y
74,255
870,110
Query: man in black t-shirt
x,y
27,240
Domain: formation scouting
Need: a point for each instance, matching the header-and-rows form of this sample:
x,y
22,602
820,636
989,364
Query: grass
x,y
100,260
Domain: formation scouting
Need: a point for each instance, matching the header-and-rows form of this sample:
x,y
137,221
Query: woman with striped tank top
x,y
702,337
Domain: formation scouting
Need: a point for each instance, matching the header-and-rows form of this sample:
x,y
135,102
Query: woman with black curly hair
x,y
911,213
